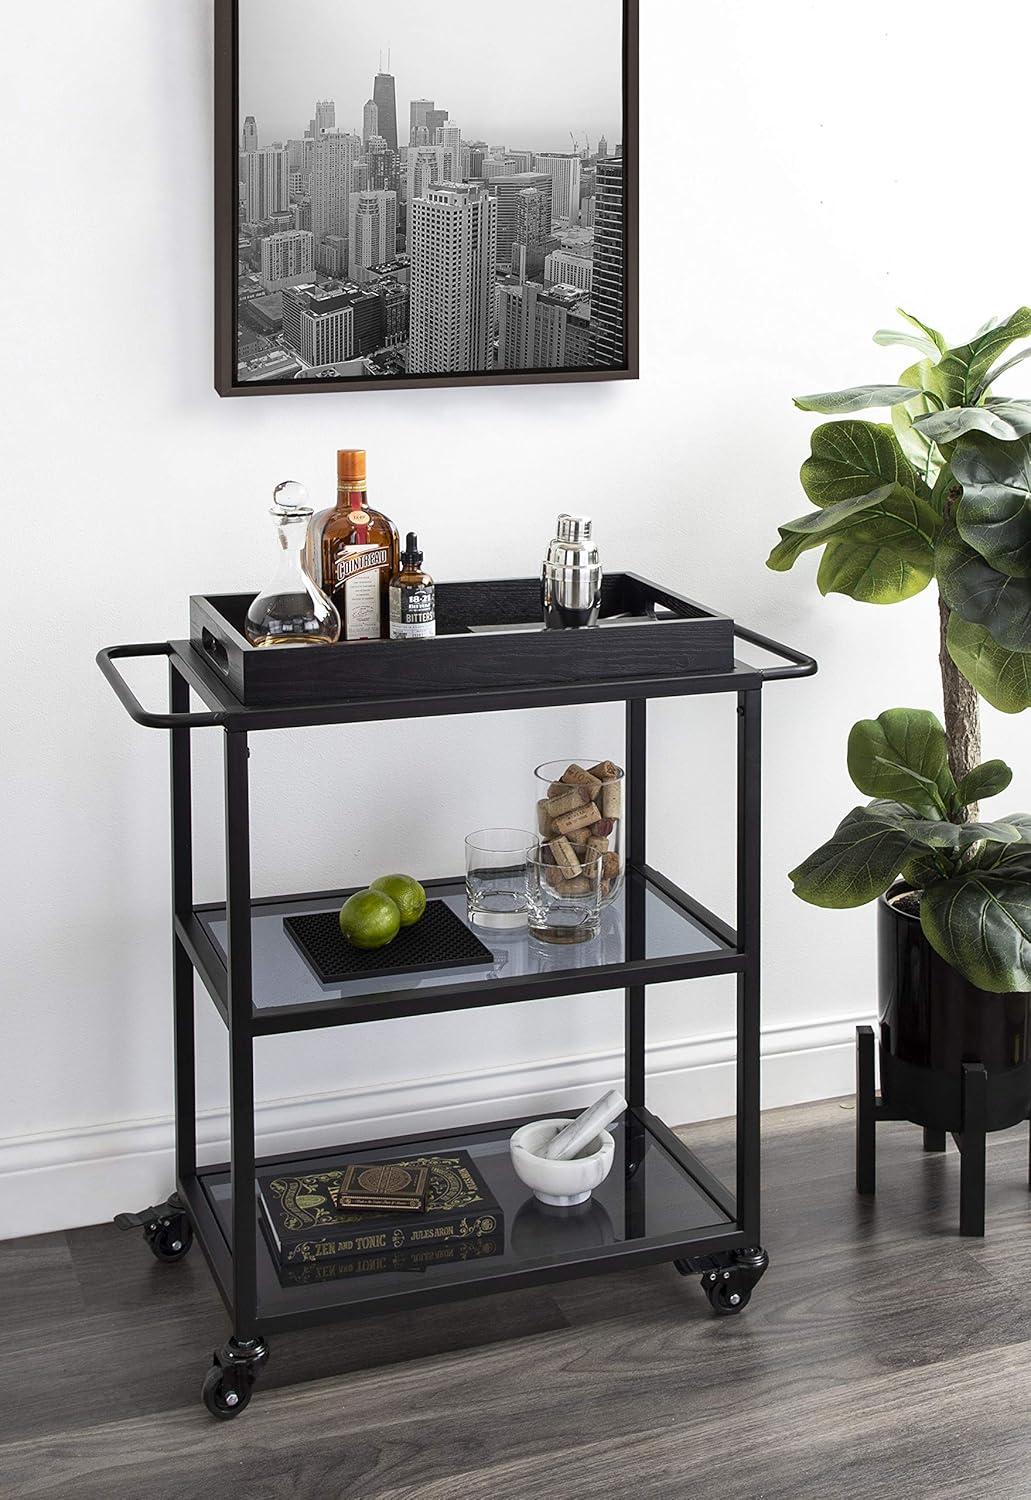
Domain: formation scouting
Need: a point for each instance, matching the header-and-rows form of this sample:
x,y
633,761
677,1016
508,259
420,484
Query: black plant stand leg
x,y
934,1140
866,1112
972,1150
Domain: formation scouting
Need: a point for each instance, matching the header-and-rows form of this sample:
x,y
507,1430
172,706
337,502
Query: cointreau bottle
x,y
355,548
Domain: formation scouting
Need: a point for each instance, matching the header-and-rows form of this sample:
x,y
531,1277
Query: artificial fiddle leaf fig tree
x,y
942,492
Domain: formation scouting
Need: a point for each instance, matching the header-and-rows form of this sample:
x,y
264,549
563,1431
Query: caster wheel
x,y
170,1238
682,1267
226,1394
725,1292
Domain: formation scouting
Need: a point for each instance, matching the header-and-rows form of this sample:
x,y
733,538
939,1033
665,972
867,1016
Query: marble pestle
x,y
581,1131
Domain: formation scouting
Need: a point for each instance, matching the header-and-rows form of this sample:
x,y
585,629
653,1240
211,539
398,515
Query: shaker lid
x,y
574,528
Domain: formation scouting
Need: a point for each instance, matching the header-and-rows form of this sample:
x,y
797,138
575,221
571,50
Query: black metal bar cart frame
x,y
719,1234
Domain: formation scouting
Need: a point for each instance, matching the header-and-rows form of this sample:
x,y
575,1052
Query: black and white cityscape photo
x,y
429,191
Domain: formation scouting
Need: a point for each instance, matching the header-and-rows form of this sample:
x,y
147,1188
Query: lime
x,y
407,895
369,919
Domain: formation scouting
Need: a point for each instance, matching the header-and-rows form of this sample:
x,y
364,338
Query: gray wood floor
x,y
881,1356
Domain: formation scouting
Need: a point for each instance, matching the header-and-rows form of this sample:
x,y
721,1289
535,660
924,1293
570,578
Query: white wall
x,y
805,167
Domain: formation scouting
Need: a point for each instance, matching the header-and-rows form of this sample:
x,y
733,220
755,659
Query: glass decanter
x,y
292,610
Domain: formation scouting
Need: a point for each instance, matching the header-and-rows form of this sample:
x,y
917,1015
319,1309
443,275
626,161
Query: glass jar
x,y
582,801
291,610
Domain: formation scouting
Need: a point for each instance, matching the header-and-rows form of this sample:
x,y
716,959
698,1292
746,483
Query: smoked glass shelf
x,y
677,940
642,1210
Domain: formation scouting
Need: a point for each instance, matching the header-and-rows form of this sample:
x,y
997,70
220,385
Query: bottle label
x,y
356,590
412,613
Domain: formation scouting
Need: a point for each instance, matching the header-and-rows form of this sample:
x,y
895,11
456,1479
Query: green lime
x,y
369,919
407,895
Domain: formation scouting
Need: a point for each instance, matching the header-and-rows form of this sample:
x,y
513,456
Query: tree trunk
x,y
962,709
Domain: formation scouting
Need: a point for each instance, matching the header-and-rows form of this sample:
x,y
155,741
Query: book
x,y
413,1262
304,1223
386,1186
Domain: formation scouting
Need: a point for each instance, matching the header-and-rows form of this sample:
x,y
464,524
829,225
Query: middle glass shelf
x,y
673,938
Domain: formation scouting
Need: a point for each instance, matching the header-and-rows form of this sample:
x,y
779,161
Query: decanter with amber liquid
x,y
354,552
292,610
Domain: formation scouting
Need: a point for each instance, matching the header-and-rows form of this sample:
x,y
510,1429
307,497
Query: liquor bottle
x,y
355,551
413,614
291,611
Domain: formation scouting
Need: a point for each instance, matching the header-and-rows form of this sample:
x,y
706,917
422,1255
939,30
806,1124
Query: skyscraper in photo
x,y
382,164
332,182
603,149
507,189
608,346
286,260
325,116
452,240
564,170
541,329
418,111
450,137
371,234
370,121
249,139
384,98
265,180
425,168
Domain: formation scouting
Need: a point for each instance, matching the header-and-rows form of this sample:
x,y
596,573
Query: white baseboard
x,y
64,1178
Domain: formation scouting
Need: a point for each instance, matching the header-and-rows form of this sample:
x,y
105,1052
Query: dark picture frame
x,y
227,226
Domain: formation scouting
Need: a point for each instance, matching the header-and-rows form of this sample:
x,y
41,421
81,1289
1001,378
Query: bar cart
x,y
660,1202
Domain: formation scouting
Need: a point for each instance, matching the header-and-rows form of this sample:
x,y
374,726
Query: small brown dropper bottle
x,y
413,614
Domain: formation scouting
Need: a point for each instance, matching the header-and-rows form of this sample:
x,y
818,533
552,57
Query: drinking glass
x,y
608,801
563,907
495,876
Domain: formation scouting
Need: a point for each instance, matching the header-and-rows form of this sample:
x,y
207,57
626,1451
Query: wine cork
x,y
557,788
576,776
605,770
570,798
602,827
543,819
598,843
612,799
565,858
579,886
609,866
580,817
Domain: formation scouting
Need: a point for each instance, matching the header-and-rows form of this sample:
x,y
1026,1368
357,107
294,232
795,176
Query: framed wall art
x,y
412,196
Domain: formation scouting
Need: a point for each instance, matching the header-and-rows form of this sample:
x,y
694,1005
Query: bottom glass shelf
x,y
649,1200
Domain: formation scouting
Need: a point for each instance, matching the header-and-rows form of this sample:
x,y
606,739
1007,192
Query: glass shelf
x,y
286,992
650,1201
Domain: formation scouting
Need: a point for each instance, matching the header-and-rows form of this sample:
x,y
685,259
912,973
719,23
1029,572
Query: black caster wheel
x,y
725,1292
169,1237
683,1267
227,1392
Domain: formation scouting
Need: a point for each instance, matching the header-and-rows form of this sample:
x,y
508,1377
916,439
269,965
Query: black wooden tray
x,y
645,632
439,940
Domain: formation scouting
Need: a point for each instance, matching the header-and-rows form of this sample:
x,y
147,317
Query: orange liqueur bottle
x,y
356,552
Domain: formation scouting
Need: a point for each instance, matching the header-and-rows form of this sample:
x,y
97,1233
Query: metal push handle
x,y
106,659
803,666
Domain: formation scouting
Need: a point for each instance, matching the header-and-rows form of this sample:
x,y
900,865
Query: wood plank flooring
x,y
880,1356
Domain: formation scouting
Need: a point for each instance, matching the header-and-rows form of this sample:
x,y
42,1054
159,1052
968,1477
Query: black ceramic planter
x,y
933,1021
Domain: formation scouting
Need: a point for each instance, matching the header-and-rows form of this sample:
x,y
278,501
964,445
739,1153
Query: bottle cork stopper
x,y
350,465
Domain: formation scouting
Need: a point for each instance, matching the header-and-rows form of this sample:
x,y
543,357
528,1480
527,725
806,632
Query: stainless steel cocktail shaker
x,y
571,577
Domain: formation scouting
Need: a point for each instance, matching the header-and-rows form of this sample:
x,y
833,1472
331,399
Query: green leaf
x,y
938,834
986,780
859,863
994,512
980,923
1003,678
850,459
998,417
935,337
903,755
889,336
981,594
918,449
859,398
963,369
885,555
